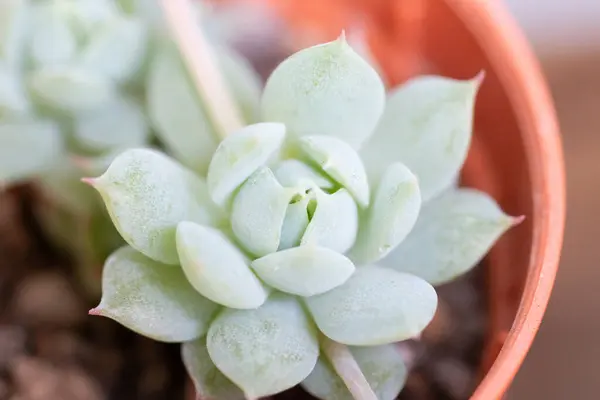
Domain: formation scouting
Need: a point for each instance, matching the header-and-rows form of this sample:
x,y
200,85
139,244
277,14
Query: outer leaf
x,y
375,306
178,114
121,124
244,83
88,16
294,224
258,212
427,126
452,234
325,90
27,149
295,173
267,350
391,217
147,194
239,155
152,299
52,40
71,90
117,50
305,270
13,25
13,101
339,161
335,222
216,268
209,382
383,367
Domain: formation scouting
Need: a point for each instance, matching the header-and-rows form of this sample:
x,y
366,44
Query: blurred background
x,y
563,362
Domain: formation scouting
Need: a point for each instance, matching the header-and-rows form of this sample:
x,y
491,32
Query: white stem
x,y
201,65
347,369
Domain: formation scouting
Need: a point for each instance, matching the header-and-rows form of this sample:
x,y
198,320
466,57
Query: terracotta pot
x,y
516,154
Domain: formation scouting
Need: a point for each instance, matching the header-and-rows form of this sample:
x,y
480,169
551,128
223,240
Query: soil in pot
x,y
51,350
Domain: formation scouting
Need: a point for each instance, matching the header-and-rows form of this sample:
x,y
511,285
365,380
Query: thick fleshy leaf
x,y
427,125
294,224
239,155
52,40
305,270
334,223
452,234
13,100
13,26
375,306
383,367
267,350
117,49
27,149
391,216
120,124
216,268
147,194
258,212
325,90
70,89
295,173
152,299
88,16
177,112
243,82
340,162
209,382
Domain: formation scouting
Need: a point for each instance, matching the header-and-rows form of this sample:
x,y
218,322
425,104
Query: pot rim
x,y
502,41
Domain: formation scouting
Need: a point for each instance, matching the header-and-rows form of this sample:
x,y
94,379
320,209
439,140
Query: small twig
x,y
202,66
347,369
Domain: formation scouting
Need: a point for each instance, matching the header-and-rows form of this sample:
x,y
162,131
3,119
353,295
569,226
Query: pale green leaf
x,y
305,270
294,224
258,212
216,268
13,101
340,162
295,173
334,223
120,124
177,113
375,306
391,216
13,27
117,49
239,155
52,40
28,148
152,299
209,382
243,82
88,16
452,234
427,126
147,194
70,89
383,367
325,90
267,350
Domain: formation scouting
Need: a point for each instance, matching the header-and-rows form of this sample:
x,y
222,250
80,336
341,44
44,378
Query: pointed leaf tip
x,y
95,311
90,181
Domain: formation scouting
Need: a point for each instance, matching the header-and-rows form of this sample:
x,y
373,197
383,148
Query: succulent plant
x,y
80,81
311,245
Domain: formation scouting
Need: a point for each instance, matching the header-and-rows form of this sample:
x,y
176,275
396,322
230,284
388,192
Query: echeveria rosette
x,y
296,239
